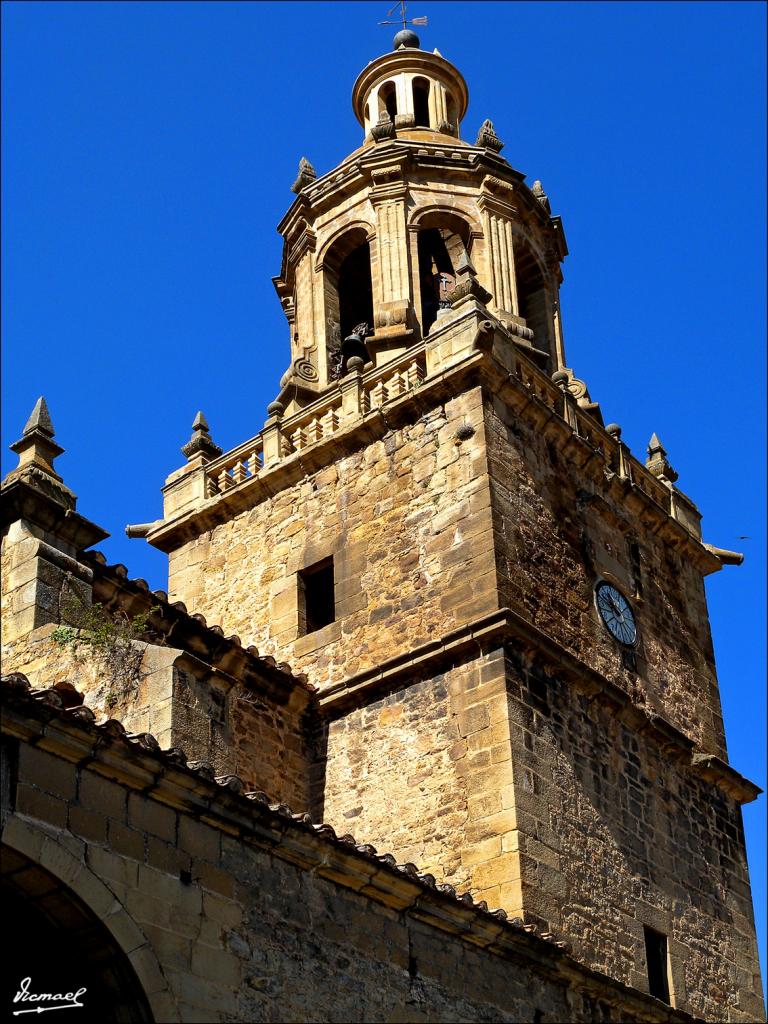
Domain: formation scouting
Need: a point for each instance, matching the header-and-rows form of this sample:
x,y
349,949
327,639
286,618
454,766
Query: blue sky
x,y
148,152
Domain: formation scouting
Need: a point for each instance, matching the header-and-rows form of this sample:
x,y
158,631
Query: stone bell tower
x,y
502,608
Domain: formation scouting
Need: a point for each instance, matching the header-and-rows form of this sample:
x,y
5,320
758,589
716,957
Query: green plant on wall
x,y
109,640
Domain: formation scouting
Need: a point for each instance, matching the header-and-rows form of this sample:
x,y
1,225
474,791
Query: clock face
x,y
616,614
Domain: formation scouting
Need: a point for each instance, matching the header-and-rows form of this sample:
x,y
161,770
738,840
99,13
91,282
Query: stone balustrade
x,y
234,467
359,393
607,445
356,394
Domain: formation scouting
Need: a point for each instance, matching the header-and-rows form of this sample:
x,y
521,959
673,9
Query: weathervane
x,y
406,23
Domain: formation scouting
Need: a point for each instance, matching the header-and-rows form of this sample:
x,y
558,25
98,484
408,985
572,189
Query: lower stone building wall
x,y
241,731
248,917
614,834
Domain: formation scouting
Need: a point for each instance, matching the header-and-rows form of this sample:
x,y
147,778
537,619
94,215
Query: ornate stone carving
x,y
446,127
488,139
518,330
384,128
467,285
405,121
307,174
305,369
657,462
538,190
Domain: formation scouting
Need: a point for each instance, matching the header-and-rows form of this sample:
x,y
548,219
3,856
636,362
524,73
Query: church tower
x,y
501,607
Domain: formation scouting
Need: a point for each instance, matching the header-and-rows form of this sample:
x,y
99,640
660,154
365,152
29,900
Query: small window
x,y
656,962
317,604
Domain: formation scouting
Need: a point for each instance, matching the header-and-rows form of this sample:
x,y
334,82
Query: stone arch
x,y
536,295
346,265
386,98
333,241
431,214
443,236
85,912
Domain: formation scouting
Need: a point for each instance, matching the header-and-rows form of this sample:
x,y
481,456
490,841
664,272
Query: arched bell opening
x,y
443,240
534,298
421,102
348,299
388,99
61,946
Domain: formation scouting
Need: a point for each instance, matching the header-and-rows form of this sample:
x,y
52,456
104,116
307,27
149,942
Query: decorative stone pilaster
x,y
498,211
393,287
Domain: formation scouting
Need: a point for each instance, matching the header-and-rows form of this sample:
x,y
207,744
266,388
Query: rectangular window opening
x,y
656,962
317,603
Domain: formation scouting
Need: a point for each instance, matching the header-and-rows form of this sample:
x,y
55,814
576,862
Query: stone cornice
x,y
587,453
20,500
507,625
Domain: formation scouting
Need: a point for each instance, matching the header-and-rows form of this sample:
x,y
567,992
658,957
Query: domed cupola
x,y
409,91
382,253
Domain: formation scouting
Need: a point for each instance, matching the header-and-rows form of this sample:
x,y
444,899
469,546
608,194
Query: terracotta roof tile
x,y
168,614
16,687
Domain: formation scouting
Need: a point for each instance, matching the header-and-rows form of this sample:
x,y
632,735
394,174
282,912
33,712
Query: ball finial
x,y
406,37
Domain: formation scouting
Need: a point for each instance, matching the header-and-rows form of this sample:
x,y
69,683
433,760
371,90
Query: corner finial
x,y
657,462
487,137
201,441
307,174
37,451
40,418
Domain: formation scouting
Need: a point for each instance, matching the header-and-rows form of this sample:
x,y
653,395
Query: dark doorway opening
x,y
61,946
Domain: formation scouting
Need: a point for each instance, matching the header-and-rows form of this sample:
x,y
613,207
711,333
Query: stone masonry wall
x,y
223,927
614,835
554,538
408,522
425,772
185,704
